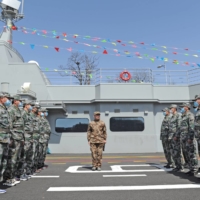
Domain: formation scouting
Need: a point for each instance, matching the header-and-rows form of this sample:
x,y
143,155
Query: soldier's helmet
x,y
165,110
196,97
5,94
28,102
185,105
18,98
173,106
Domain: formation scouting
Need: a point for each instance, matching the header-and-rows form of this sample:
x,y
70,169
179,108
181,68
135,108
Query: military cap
x,y
165,110
44,110
173,106
185,105
28,102
97,113
196,97
5,94
18,98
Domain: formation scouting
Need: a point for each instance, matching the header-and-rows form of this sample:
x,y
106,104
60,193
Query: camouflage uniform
x,y
28,146
187,133
96,135
164,137
17,142
197,129
42,143
46,137
174,126
5,125
36,137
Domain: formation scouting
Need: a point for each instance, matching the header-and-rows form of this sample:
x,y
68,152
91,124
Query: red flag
x,y
142,43
187,63
57,49
175,53
119,41
14,28
9,41
57,37
123,45
186,49
65,34
105,52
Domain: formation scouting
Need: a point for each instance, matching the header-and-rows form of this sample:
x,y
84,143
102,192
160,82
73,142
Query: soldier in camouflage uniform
x,y
42,141
46,136
187,136
28,147
96,136
174,126
5,126
164,137
17,142
197,121
36,136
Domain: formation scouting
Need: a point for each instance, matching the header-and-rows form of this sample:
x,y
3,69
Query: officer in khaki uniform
x,y
96,136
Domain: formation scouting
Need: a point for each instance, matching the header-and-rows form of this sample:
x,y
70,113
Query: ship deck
x,y
123,176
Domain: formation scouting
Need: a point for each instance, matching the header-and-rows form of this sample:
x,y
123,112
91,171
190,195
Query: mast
x,y
9,15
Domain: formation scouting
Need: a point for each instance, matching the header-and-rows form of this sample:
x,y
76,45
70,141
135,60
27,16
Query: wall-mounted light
x,y
106,112
146,112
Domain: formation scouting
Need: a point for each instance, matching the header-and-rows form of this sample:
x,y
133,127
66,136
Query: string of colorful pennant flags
x,y
106,52
115,42
103,47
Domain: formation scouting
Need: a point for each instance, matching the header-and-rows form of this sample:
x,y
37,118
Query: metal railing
x,y
138,76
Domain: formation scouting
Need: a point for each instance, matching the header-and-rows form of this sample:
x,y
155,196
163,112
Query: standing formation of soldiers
x,y
180,136
24,137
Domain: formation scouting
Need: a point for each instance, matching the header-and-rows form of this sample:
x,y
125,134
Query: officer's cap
x,y
97,113
173,106
185,105
5,94
165,110
17,97
196,97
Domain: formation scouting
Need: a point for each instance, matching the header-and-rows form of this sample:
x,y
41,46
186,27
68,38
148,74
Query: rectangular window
x,y
72,125
125,124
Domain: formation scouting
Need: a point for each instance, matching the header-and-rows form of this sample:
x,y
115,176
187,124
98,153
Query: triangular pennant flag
x,y
57,37
165,52
198,65
66,72
70,49
152,59
164,47
44,31
94,52
32,46
47,69
90,76
175,53
130,42
119,41
103,41
65,34
142,43
22,43
196,56
114,43
57,49
45,46
186,49
9,41
55,70
105,52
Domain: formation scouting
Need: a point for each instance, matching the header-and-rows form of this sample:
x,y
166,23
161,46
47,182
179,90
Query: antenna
x,y
9,15
10,10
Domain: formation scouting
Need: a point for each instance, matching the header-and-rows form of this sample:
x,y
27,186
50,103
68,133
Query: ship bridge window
x,y
125,124
72,125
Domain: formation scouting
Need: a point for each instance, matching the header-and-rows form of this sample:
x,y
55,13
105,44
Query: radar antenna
x,y
10,14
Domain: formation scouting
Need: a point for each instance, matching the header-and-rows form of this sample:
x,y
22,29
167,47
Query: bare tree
x,y
82,66
138,76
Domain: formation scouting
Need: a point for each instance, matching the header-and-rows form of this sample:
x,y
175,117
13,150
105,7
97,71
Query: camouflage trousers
x,y
14,158
176,153
96,152
198,145
184,150
35,155
3,158
192,156
25,166
41,154
167,147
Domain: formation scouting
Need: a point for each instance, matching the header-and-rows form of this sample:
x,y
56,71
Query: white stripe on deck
x,y
123,188
132,175
45,176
